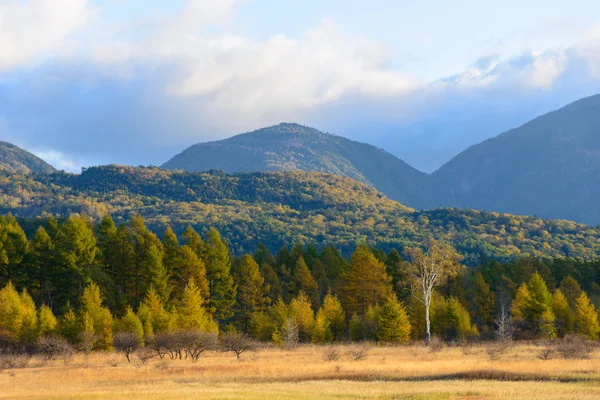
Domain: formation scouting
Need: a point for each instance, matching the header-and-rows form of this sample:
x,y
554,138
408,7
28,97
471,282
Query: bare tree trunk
x,y
427,325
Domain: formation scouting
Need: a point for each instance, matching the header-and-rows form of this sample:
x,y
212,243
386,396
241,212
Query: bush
x,y
358,353
127,343
10,359
53,347
436,344
237,343
331,354
496,349
195,343
575,347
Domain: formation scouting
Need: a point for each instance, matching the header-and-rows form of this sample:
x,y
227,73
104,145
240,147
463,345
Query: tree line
x,y
89,281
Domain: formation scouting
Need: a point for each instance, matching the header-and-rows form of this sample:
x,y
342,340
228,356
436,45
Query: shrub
x,y
331,354
237,343
127,343
575,347
436,344
52,347
195,343
358,353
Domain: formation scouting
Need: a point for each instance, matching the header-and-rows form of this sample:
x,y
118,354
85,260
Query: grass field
x,y
411,372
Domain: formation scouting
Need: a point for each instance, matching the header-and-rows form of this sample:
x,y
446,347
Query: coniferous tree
x,y
301,312
47,322
14,247
366,284
189,266
41,265
272,285
483,303
519,304
571,289
171,252
335,317
192,239
131,323
75,253
250,291
565,318
304,282
394,325
153,316
192,314
101,319
156,274
538,310
586,320
218,274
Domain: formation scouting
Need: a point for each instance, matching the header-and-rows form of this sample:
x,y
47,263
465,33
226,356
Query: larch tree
x,y
586,317
365,284
565,317
431,268
250,291
171,252
305,282
483,303
538,309
571,289
101,319
394,325
221,286
333,312
41,261
192,314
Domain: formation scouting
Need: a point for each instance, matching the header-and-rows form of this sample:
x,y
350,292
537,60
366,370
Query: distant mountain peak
x,y
15,159
291,146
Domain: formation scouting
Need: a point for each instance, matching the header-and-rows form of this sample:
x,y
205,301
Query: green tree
x,y
538,308
171,253
519,304
366,284
334,316
13,249
41,263
586,320
192,314
565,319
155,319
304,282
483,303
300,310
131,323
101,319
571,289
47,322
452,321
189,266
156,274
394,325
218,274
250,291
272,285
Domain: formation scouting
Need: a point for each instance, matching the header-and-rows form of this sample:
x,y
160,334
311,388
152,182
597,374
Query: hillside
x,y
15,159
283,207
287,147
549,167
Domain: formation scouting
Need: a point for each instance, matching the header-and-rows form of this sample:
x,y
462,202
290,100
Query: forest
x,y
279,208
91,282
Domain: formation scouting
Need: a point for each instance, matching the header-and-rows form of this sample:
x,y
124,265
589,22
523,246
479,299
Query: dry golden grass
x,y
386,373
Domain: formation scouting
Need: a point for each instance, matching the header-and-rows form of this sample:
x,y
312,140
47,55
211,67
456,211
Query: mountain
x,y
15,159
278,208
549,167
287,147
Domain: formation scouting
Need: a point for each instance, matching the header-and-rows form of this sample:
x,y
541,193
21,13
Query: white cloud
x,y
59,160
32,28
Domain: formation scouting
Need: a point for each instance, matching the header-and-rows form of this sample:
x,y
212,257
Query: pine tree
x,y
120,261
29,317
192,314
192,239
334,315
47,322
565,319
11,313
300,310
366,284
156,274
131,323
571,289
250,291
189,266
272,284
218,274
483,301
68,326
14,245
452,321
304,282
171,252
394,325
321,332
538,309
75,253
586,320
520,303
155,319
145,259
398,269
101,318
41,261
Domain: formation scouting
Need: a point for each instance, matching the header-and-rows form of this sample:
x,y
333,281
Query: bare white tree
x,y
505,329
430,269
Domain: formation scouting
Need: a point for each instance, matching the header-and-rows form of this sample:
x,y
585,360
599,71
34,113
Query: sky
x,y
88,82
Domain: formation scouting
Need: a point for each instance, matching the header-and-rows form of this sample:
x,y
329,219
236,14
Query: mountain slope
x,y
549,167
288,147
279,208
15,159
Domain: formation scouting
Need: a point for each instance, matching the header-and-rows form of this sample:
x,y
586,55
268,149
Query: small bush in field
x,y
144,355
358,353
53,347
331,354
13,360
496,349
436,344
575,347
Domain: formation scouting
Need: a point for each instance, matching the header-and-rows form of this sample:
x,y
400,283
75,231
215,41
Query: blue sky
x,y
136,81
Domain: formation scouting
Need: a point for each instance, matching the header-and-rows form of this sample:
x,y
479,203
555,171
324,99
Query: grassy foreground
x,y
411,372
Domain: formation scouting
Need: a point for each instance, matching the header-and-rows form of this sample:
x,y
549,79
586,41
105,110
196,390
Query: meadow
x,y
523,371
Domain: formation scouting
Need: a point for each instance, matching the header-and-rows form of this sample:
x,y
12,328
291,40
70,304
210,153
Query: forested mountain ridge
x,y
549,167
280,208
15,159
286,147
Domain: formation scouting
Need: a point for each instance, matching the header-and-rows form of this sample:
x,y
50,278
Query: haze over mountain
x,y
549,167
15,159
287,147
